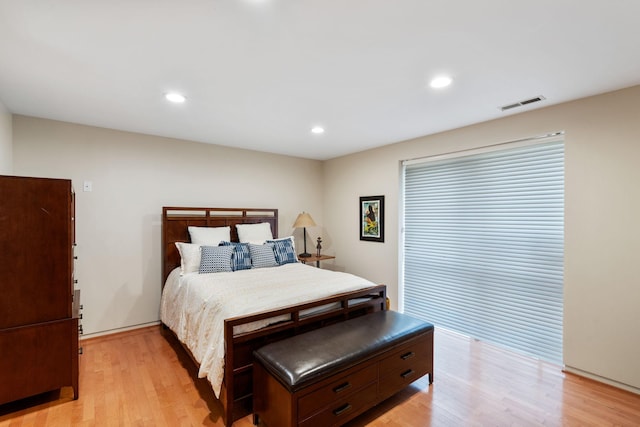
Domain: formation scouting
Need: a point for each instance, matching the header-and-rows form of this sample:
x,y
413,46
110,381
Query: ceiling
x,y
259,74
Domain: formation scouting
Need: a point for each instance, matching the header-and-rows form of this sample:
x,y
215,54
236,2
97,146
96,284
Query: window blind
x,y
483,246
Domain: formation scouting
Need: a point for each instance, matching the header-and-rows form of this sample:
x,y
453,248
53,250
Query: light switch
x,y
87,186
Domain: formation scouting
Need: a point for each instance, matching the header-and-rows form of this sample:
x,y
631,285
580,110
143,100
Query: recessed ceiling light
x,y
317,130
440,82
175,97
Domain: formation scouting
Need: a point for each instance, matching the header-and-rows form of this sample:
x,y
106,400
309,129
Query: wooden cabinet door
x,y
35,250
38,358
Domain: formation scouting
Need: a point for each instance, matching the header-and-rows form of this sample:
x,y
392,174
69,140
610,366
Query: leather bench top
x,y
303,358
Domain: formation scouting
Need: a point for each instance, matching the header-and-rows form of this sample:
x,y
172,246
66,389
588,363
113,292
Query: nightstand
x,y
315,258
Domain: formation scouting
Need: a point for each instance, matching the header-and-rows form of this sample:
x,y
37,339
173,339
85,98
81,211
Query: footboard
x,y
237,387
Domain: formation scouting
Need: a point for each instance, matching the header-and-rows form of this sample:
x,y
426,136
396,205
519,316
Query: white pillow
x,y
210,236
254,233
189,257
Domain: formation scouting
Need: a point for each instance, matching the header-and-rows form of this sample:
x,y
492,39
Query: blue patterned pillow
x,y
284,251
262,255
241,257
215,259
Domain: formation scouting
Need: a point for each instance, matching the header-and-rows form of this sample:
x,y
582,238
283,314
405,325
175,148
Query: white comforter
x,y
195,305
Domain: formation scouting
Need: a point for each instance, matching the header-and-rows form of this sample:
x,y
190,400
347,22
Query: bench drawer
x,y
393,382
403,357
343,409
337,389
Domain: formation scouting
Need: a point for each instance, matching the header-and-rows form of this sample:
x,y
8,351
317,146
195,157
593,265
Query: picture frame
x,y
371,221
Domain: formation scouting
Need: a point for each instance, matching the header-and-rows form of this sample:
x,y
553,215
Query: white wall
x,y
6,141
133,176
602,235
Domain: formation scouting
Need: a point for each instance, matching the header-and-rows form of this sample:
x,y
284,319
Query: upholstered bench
x,y
330,375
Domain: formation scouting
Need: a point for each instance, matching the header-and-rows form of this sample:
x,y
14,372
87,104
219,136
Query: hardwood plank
x,y
145,378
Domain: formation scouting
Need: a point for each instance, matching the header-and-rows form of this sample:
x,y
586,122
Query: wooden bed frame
x,y
237,387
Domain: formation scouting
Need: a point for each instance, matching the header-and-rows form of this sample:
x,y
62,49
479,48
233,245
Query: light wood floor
x,y
144,378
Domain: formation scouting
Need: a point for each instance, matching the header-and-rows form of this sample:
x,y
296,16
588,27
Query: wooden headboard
x,y
176,220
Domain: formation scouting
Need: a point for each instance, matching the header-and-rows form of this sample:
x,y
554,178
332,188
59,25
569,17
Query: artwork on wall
x,y
372,218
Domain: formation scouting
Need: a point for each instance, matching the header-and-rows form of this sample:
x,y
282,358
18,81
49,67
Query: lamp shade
x,y
304,220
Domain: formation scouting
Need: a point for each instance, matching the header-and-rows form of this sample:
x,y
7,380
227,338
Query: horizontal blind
x,y
483,246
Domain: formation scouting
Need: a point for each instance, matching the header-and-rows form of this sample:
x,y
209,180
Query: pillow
x,y
254,233
262,256
210,236
284,250
215,259
241,256
189,257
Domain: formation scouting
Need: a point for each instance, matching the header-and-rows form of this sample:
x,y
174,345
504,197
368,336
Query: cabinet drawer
x,y
343,409
341,387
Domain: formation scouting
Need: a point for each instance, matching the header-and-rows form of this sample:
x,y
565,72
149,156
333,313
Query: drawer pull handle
x,y
407,355
341,410
407,374
341,387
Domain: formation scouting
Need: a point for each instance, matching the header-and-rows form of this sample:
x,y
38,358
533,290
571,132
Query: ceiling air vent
x,y
522,103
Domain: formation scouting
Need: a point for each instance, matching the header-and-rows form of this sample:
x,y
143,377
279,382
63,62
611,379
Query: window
x,y
483,245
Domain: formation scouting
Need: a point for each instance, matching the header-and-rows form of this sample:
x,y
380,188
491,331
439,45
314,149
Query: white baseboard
x,y
604,380
115,331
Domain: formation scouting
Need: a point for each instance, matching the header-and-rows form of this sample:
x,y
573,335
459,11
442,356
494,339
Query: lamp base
x,y
304,255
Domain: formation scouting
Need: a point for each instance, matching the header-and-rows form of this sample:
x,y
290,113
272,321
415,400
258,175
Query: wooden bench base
x,y
337,397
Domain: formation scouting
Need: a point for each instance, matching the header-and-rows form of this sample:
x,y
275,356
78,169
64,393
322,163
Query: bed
x,y
221,341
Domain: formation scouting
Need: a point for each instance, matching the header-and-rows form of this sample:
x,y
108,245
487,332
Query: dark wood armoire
x,y
38,314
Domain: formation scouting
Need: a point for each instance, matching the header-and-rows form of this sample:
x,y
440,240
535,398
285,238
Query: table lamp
x,y
303,221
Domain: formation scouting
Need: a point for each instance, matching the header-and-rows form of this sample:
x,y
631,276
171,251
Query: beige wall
x,y
133,176
602,236
6,141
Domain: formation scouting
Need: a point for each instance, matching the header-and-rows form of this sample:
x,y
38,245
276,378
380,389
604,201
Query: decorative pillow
x,y
215,259
241,257
284,250
262,255
254,233
189,257
210,236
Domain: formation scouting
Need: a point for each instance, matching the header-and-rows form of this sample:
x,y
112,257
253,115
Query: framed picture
x,y
372,218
